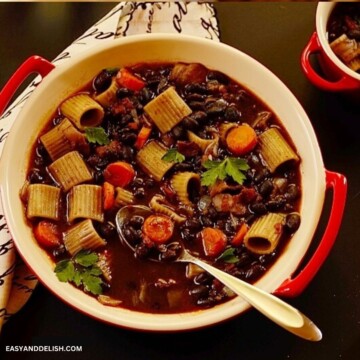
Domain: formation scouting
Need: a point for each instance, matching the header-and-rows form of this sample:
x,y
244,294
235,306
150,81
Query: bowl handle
x,y
34,64
293,287
343,84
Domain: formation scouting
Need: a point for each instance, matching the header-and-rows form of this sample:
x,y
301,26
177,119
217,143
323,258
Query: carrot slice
x,y
108,195
119,173
239,236
158,228
241,139
47,234
127,79
214,241
143,136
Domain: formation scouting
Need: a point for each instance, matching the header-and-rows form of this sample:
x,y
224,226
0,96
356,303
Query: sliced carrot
x,y
214,241
47,234
108,195
238,239
127,79
133,125
241,139
119,173
158,228
143,136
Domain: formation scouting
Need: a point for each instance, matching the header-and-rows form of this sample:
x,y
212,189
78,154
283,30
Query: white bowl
x,y
67,78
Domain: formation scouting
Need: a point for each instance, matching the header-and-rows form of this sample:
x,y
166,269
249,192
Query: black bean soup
x,y
343,29
225,185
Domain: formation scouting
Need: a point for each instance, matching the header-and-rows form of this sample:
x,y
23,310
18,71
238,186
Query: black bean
x,y
138,182
258,208
187,234
139,193
107,229
254,272
193,224
149,183
244,259
206,220
232,114
184,166
292,222
196,88
212,213
178,132
199,116
292,192
102,81
205,302
59,251
128,153
190,123
203,278
128,138
136,221
216,108
276,204
266,188
172,251
141,251
123,93
218,76
199,291
35,176
261,174
145,95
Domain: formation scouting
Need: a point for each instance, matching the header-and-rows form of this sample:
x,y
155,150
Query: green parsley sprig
x,y
219,170
172,155
81,270
228,256
96,135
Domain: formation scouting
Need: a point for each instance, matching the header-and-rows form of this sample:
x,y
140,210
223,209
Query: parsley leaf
x,y
65,270
228,256
219,170
172,155
86,258
96,135
92,283
81,270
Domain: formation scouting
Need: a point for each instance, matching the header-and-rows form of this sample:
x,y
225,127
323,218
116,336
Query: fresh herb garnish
x,y
81,270
228,256
219,170
96,135
172,155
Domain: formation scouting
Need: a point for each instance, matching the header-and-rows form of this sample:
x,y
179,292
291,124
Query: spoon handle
x,y
272,307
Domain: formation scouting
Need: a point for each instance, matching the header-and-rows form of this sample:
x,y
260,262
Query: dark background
x,y
274,34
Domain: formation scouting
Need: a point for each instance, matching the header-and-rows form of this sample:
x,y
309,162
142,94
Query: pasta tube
x,y
43,201
274,149
70,170
150,159
82,236
85,201
167,109
83,111
264,234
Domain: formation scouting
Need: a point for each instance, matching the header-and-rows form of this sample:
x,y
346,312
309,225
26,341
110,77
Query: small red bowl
x,y
337,76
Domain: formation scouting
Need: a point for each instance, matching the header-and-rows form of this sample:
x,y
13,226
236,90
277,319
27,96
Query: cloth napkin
x,y
127,18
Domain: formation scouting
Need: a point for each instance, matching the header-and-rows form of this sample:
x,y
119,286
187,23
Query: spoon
x,y
272,307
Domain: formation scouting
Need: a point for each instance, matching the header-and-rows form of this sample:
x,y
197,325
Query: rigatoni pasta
x,y
150,159
275,149
83,111
264,234
85,201
70,170
167,109
82,236
60,140
43,201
